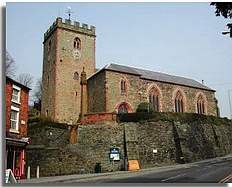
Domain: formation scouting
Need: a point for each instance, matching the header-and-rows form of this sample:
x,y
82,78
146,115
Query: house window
x,y
77,43
16,94
179,104
154,99
123,86
200,105
14,119
76,76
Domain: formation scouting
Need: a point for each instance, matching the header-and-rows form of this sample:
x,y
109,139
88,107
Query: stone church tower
x,y
68,48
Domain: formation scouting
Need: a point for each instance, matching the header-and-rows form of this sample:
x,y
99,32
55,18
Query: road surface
x,y
219,172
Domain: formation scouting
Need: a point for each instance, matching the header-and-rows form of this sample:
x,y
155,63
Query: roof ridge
x,y
148,74
136,68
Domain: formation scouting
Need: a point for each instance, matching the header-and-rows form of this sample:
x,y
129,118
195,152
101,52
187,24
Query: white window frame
x,y
18,89
17,122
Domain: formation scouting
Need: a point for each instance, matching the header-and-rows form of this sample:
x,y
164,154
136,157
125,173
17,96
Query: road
x,y
216,170
219,171
202,173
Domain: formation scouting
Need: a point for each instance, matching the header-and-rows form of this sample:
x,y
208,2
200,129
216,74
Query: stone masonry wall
x,y
96,93
49,76
137,92
56,156
113,92
67,87
60,64
153,142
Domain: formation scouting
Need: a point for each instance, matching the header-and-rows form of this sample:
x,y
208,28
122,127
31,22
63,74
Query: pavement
x,y
177,171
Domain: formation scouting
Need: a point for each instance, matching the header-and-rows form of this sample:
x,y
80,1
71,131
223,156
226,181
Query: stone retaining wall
x,y
152,142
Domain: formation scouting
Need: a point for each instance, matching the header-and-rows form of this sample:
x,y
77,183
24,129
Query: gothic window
x,y
123,86
179,103
77,43
76,76
154,99
122,109
200,105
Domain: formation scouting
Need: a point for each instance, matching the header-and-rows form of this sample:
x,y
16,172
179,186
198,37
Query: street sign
x,y
114,154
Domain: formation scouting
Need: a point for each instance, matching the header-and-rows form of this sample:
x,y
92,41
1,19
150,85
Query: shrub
x,y
145,107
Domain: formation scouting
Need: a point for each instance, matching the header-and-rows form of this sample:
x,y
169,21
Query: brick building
x,y
16,126
69,51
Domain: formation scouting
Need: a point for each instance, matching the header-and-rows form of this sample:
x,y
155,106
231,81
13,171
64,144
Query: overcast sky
x,y
177,38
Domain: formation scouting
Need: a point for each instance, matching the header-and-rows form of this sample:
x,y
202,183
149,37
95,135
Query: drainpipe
x,y
125,148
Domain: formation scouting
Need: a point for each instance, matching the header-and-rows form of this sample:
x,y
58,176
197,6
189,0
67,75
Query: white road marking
x,y
180,175
226,179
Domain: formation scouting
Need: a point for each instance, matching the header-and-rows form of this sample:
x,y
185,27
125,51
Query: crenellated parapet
x,y
69,25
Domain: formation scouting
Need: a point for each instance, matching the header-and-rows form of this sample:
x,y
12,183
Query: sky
x,y
182,39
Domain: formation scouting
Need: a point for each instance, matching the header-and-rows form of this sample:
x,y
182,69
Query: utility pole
x,y
230,103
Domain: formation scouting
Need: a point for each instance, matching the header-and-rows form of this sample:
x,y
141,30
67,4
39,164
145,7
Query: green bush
x,y
171,116
145,107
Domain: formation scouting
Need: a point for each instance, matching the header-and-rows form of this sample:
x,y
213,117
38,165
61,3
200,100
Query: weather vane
x,y
69,12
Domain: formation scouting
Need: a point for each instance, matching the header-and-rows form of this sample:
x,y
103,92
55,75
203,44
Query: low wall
x,y
98,117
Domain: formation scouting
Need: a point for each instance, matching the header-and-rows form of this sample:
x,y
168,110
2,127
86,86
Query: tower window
x,y
179,104
77,43
76,76
123,86
154,99
200,105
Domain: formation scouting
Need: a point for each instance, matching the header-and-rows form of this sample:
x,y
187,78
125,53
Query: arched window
x,y
200,105
179,103
76,76
77,43
122,109
123,86
154,99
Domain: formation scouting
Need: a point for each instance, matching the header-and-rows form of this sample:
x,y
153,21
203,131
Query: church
x,y
73,87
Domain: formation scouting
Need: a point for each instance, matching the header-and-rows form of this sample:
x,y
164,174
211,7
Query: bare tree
x,y
25,79
10,65
38,90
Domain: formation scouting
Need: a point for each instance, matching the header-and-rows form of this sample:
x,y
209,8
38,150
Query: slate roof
x,y
156,76
17,83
